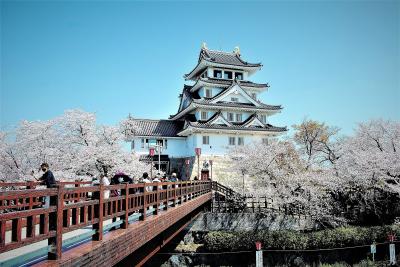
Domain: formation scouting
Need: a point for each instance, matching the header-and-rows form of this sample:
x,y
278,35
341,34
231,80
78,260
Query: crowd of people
x,y
47,178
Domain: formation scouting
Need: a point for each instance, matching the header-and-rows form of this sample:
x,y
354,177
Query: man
x,y
48,179
147,180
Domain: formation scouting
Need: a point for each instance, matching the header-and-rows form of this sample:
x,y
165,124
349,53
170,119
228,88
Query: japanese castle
x,y
218,111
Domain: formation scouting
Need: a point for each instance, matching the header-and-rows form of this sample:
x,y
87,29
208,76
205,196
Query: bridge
x,y
94,225
101,225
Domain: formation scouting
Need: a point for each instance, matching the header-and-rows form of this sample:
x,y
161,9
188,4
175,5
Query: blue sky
x,y
332,61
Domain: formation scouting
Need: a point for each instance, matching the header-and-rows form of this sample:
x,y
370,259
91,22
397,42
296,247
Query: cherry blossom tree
x,y
369,163
363,172
278,171
73,144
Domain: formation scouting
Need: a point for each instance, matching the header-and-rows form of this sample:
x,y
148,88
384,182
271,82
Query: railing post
x,y
157,200
56,224
167,195
98,213
174,200
126,216
143,217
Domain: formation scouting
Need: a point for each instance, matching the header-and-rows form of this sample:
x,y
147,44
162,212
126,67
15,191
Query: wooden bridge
x,y
104,224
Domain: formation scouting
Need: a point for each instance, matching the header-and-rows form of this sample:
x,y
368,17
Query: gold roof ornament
x,y
237,50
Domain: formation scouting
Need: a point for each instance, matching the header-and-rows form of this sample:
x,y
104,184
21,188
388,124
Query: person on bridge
x,y
48,179
104,181
173,177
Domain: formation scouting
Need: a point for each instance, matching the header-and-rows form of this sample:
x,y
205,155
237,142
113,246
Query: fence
x,y
27,220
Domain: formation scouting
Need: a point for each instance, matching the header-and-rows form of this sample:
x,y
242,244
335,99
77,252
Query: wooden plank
x,y
16,230
2,233
31,226
98,213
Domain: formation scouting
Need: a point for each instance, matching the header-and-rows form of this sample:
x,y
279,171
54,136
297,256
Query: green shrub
x,y
285,239
220,241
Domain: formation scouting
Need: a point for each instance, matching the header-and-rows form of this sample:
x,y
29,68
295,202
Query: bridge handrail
x,y
78,207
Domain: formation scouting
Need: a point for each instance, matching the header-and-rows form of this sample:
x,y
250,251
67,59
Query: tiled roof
x,y
166,128
229,59
225,83
268,127
232,104
221,57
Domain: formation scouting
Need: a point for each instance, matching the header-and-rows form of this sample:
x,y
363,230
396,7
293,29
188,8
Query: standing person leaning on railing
x,y
48,179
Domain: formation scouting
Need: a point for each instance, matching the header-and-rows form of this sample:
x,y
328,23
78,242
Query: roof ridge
x,y
152,119
220,51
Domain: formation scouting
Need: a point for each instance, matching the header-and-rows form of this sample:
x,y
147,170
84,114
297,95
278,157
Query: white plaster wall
x,y
214,91
176,147
241,99
210,113
219,144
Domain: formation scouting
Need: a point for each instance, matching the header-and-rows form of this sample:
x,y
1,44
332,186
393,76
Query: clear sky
x,y
332,61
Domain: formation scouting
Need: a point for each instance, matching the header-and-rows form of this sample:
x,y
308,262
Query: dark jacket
x,y
48,179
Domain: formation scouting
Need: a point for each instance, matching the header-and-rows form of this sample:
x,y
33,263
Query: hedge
x,y
285,239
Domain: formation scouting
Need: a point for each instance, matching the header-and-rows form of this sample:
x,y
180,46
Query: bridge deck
x,y
24,220
118,244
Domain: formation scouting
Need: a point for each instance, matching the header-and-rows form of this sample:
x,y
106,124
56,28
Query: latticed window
x,y
206,140
265,141
208,93
228,75
204,115
263,118
231,141
239,117
240,141
230,116
238,76
218,74
234,99
142,143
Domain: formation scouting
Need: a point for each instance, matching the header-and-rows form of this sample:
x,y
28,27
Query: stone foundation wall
x,y
222,169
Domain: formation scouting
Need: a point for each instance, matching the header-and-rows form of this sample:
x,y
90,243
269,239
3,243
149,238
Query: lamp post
x,y
243,173
198,153
151,153
159,161
187,162
211,163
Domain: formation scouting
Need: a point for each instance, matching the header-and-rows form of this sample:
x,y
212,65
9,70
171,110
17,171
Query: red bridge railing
x,y
78,205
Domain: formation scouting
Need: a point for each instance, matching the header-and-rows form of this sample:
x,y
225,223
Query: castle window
x,y
240,141
208,93
265,141
204,115
230,116
238,117
218,74
142,143
263,118
231,141
133,145
234,99
238,76
206,140
228,75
